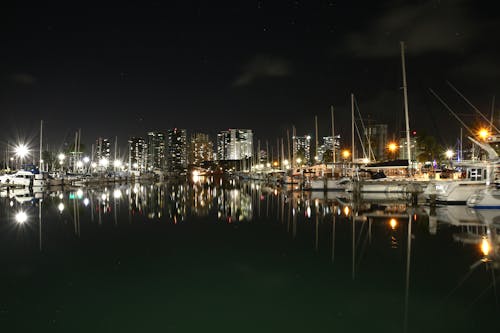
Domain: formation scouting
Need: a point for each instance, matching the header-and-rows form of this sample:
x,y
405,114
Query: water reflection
x,y
360,236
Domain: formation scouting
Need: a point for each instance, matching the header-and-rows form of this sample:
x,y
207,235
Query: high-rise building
x,y
235,144
302,149
377,136
176,155
327,146
103,149
137,151
200,148
155,150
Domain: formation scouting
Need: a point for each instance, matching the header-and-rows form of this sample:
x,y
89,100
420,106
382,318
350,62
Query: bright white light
x,y
103,162
79,164
117,194
285,162
21,217
61,196
103,197
93,165
79,193
135,165
61,157
60,207
117,163
21,150
449,153
86,202
86,159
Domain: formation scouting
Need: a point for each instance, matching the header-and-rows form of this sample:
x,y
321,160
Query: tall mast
x,y
333,134
405,94
288,146
40,161
316,157
352,128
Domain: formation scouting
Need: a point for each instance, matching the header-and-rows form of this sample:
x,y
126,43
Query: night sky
x,y
211,65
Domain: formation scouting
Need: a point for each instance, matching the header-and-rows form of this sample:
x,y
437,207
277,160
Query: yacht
x,y
24,178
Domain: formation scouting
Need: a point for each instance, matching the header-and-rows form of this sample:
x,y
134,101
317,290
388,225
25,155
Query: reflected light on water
x,y
60,207
346,210
393,223
117,194
485,246
86,201
21,217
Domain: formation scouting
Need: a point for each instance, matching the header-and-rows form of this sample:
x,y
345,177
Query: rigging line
x,y
360,140
451,111
472,106
370,151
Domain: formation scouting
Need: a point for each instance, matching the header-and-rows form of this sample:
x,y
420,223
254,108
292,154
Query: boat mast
x,y
40,161
316,157
405,94
333,134
352,128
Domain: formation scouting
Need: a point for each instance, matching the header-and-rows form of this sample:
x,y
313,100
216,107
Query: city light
x,y
449,153
392,147
21,217
61,157
104,162
86,159
117,163
485,246
299,160
60,207
79,164
21,151
346,153
393,223
117,194
483,133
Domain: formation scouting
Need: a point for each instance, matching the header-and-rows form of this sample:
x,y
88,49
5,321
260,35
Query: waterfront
x,y
232,256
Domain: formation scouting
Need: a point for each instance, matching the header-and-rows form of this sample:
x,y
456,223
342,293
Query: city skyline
x,y
125,70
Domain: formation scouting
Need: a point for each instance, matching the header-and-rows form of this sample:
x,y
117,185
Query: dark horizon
x,y
123,71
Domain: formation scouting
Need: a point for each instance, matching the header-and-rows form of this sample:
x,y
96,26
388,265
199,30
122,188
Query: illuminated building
x,y
235,144
137,151
327,146
102,149
200,148
155,150
176,151
302,149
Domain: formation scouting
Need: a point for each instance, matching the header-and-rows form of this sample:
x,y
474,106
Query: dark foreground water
x,y
242,258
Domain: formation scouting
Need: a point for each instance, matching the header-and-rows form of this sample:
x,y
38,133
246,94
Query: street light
x,y
345,154
449,154
392,146
21,151
61,158
483,133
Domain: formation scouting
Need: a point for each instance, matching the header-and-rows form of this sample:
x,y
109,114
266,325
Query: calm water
x,y
229,257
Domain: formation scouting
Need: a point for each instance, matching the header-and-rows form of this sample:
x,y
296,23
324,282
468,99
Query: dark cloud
x,y
426,27
23,78
263,66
